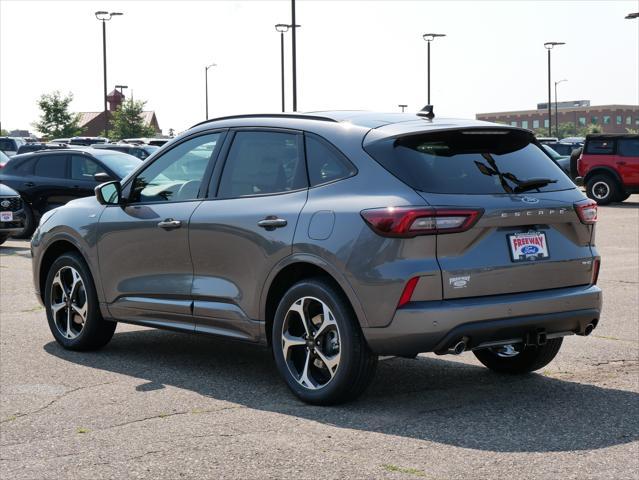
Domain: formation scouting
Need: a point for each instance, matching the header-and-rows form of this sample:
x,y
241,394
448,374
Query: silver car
x,y
332,237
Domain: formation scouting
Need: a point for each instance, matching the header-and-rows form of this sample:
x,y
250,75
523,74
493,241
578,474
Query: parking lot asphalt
x,y
157,404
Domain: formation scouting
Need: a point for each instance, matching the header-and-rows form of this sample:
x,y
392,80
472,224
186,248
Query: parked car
x,y
544,140
334,238
140,151
60,140
563,149
4,159
47,179
158,142
609,166
34,147
87,141
10,145
562,160
11,213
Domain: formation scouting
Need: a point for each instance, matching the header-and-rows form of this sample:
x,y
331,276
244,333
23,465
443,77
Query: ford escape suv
x,y
332,237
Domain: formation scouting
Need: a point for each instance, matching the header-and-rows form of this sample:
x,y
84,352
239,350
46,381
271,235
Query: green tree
x,y
563,130
3,132
583,131
56,120
127,121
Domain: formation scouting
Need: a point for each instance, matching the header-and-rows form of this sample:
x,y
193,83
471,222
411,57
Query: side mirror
x,y
102,177
109,193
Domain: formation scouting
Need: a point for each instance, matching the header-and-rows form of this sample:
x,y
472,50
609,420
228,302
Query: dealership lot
x,y
160,403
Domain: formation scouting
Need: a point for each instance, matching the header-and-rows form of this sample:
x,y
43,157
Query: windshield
x,y
473,161
121,163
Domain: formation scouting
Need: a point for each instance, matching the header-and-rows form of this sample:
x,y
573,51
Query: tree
x,y
55,120
128,122
568,130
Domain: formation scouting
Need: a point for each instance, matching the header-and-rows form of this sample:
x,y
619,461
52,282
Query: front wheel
x,y
72,306
30,222
318,346
518,359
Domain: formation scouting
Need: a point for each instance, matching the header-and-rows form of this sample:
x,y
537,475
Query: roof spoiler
x,y
427,112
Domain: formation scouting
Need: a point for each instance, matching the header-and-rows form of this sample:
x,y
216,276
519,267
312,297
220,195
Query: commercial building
x,y
92,123
610,118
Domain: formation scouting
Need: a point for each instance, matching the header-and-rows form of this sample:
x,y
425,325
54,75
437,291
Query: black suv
x,y
47,179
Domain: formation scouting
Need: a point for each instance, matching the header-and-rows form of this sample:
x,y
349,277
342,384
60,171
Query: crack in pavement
x,y
50,403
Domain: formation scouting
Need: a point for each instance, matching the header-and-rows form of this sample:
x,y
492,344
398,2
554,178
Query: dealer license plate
x,y
6,216
528,246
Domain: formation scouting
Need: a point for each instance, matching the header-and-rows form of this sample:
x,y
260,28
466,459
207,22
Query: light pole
x,y
206,87
121,88
549,46
294,52
402,107
556,114
105,17
282,28
631,16
429,37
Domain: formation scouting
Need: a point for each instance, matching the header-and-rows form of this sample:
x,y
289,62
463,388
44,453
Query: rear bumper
x,y
434,326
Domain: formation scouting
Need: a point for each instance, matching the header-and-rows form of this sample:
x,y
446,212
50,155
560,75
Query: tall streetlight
x,y
105,17
121,88
429,37
549,46
557,114
294,26
282,28
402,106
206,87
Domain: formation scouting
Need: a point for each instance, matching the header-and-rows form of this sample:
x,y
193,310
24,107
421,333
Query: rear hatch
x,y
529,234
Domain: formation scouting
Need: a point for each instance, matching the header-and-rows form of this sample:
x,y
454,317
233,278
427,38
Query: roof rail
x,y
269,115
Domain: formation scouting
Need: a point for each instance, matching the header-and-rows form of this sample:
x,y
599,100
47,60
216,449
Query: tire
x,y
73,332
3,237
339,340
527,360
602,188
622,197
30,223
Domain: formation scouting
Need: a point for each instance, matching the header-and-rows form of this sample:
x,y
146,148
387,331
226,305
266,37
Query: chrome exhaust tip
x,y
457,348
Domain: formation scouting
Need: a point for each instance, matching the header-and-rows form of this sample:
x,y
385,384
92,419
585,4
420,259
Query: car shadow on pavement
x,y
625,204
11,250
427,398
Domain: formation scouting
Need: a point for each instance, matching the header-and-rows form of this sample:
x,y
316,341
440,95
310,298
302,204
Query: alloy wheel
x,y
69,303
311,343
600,190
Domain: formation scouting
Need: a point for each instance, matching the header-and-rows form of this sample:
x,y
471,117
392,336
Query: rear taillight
x,y
595,270
587,211
407,222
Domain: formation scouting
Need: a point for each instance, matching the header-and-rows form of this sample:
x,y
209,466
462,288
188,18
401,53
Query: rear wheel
x,y
72,306
603,189
518,359
318,346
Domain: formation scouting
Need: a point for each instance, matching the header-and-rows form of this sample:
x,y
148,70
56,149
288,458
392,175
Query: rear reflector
x,y
407,222
587,211
408,292
595,270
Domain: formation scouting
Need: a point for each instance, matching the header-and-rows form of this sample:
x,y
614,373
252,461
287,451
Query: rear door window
x,y
261,163
473,161
629,147
51,166
83,168
602,146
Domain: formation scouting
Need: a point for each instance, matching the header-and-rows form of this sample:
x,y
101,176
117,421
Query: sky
x,y
366,55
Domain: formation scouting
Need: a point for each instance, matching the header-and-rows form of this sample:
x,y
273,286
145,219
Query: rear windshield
x,y
121,163
470,162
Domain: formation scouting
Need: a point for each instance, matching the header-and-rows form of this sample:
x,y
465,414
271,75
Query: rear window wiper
x,y
532,184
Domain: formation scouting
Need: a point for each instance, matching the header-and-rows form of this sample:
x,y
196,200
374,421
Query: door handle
x,y
272,222
29,184
170,224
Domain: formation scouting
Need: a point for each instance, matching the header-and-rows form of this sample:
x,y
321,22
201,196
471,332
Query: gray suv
x,y
333,238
